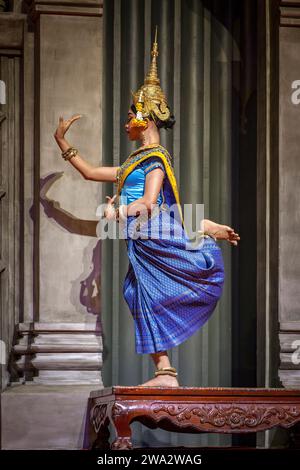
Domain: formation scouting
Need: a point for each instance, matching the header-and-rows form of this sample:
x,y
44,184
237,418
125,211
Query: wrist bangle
x,y
69,153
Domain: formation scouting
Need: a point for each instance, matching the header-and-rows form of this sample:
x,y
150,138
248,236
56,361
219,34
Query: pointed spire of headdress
x,y
150,96
152,78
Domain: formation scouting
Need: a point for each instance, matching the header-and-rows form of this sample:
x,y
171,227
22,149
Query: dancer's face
x,y
133,132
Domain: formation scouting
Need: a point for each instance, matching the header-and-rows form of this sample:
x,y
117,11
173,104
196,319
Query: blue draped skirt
x,y
171,290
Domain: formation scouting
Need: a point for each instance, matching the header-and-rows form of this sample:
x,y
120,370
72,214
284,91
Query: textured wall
x,y
51,60
69,74
288,195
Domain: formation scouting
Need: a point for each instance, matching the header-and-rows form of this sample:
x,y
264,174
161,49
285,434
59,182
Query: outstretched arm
x,y
89,172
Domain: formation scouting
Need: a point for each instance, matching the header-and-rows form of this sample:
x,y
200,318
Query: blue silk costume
x,y
170,290
134,185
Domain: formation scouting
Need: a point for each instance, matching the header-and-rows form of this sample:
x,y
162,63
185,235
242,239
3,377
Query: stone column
x,y
50,256
11,46
59,339
288,193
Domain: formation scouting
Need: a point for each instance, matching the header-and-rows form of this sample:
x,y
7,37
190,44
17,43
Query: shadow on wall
x,y
90,296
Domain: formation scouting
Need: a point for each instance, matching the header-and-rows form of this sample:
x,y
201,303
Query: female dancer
x,y
171,290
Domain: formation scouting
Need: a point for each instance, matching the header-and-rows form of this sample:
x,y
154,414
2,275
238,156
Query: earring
x,y
139,120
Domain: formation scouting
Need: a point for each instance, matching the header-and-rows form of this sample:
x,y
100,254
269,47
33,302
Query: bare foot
x,y
220,232
161,381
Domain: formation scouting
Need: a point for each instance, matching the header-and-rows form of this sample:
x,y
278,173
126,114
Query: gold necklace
x,y
135,152
144,148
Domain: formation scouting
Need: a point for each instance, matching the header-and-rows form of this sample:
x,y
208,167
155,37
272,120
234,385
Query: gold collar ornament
x,y
150,100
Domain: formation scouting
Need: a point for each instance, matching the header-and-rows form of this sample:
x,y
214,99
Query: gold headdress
x,y
150,100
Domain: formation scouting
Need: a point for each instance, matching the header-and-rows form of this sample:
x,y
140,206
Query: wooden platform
x,y
189,410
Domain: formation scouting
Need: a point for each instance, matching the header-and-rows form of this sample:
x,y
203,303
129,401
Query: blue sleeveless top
x,y
134,184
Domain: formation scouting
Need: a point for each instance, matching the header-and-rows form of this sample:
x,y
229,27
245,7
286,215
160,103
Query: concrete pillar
x,y
288,193
50,254
66,253
11,45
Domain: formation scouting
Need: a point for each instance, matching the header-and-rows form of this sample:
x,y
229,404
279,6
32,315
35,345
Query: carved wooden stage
x,y
189,410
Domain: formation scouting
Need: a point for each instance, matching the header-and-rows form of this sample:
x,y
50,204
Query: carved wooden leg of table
x,y
101,415
100,424
120,419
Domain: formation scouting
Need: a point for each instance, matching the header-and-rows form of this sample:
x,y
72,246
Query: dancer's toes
x,y
161,381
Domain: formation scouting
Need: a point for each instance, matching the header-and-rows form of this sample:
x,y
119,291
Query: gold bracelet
x,y
66,152
69,153
73,154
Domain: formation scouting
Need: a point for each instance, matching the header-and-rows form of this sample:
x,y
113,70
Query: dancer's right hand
x,y
110,212
63,125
